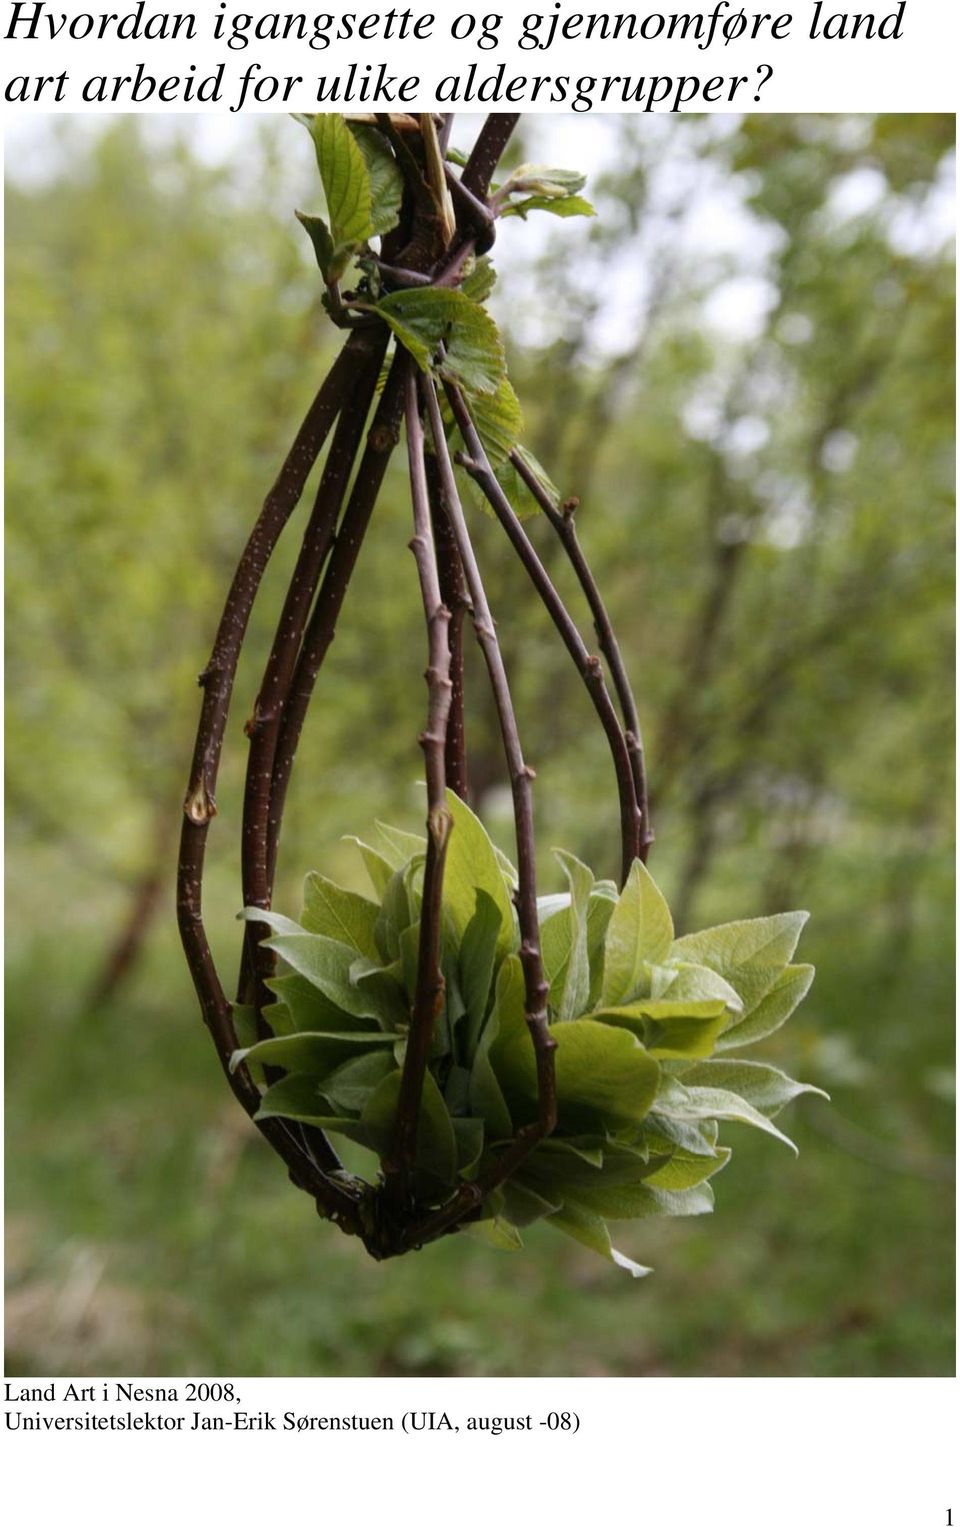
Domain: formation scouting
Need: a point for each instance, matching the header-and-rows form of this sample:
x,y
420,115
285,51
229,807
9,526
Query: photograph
x,y
480,745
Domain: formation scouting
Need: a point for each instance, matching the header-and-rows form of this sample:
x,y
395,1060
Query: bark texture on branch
x,y
563,522
321,629
453,590
366,350
430,987
587,665
521,776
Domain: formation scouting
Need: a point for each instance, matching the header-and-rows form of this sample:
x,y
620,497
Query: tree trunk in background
x,y
146,895
699,856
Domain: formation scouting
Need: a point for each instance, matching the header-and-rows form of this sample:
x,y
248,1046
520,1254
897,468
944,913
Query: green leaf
x,y
378,868
680,986
637,1200
715,1103
245,1028
313,1054
690,1037
637,1016
522,1206
327,965
680,1035
454,1004
479,282
485,1093
749,954
486,1097
498,419
764,1087
599,913
472,866
543,180
646,1202
556,939
559,1166
398,911
571,999
468,1134
661,1135
590,1230
323,245
423,318
499,422
507,868
410,957
339,914
540,473
299,1097
563,1157
507,1025
273,920
684,1023
544,189
305,1008
560,206
640,931
478,952
436,1142
456,1091
345,178
350,1085
346,187
513,486
386,181
684,1170
498,1233
786,993
381,987
399,846
603,1075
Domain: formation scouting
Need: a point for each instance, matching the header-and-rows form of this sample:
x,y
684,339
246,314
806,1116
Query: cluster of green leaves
x,y
540,188
643,1023
448,331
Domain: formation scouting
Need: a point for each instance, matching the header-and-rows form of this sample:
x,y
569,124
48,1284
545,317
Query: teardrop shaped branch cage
x,y
421,251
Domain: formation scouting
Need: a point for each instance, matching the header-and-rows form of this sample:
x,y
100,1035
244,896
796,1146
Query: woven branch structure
x,y
425,249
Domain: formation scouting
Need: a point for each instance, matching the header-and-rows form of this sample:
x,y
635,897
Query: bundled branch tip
x,y
508,1057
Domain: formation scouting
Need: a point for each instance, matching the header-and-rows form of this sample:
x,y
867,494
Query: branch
x,y
487,152
402,122
446,125
474,211
454,593
535,985
477,227
264,727
217,678
564,524
587,666
381,439
429,996
200,803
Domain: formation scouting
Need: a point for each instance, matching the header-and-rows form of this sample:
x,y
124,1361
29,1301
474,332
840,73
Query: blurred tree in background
x,y
759,429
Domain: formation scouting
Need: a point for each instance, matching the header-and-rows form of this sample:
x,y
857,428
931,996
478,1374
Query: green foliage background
x,y
769,513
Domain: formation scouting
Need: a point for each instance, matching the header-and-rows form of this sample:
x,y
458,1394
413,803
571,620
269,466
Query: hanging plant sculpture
x,y
508,1058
